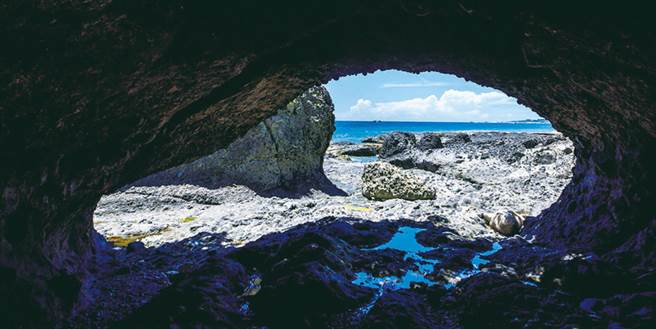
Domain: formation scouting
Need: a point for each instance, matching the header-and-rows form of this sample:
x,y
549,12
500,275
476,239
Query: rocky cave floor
x,y
492,172
326,257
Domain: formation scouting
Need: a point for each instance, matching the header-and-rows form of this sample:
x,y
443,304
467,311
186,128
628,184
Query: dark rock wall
x,y
95,95
283,151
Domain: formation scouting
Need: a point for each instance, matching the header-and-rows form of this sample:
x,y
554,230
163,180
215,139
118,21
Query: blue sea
x,y
355,131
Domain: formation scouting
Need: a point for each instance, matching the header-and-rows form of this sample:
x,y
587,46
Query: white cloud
x,y
452,105
361,104
415,85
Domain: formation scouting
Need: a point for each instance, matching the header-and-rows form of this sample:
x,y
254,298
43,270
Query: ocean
x,y
355,131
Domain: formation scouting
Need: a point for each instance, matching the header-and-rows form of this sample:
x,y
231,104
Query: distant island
x,y
537,121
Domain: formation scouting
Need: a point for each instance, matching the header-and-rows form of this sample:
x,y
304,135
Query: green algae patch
x,y
356,208
124,240
188,219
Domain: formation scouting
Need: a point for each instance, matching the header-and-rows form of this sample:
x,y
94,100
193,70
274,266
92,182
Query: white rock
x,y
383,181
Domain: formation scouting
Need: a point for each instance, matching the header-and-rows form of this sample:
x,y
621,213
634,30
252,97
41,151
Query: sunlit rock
x,y
383,181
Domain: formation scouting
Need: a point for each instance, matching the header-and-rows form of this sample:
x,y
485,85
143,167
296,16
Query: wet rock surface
x,y
416,275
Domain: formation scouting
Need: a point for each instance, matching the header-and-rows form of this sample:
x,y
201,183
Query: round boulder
x,y
531,143
430,141
396,143
545,157
383,181
455,138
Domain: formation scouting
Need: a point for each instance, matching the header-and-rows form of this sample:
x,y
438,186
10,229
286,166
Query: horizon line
x,y
519,120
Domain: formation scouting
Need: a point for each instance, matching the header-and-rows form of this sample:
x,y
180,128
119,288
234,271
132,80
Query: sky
x,y
401,96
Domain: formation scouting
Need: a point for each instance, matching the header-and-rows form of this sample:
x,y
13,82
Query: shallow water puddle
x,y
245,308
405,239
364,159
476,262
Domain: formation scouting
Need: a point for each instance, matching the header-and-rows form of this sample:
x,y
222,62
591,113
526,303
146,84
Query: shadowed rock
x,y
358,150
459,138
304,278
410,163
396,143
380,139
531,143
430,141
284,150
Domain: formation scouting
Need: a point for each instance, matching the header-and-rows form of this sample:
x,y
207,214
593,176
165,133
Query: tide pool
x,y
405,239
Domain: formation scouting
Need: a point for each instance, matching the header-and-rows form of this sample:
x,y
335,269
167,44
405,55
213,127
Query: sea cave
x,y
159,170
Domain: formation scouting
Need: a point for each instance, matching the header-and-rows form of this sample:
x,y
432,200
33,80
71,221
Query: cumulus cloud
x,y
361,104
454,105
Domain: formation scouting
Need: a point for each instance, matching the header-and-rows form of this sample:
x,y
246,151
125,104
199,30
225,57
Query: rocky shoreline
x,y
483,173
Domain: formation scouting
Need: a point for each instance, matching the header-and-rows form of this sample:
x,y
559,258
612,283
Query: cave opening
x,y
427,173
96,96
470,154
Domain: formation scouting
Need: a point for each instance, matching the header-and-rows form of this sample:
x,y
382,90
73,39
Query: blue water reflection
x,y
405,240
